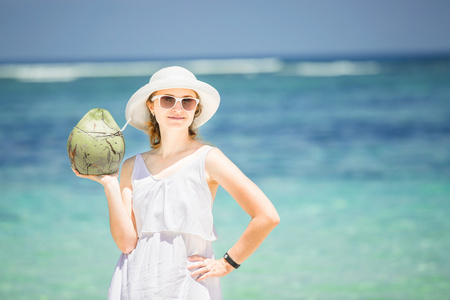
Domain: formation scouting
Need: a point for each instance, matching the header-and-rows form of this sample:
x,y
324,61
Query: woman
x,y
161,210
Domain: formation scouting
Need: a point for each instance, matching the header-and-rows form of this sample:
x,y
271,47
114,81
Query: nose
x,y
177,107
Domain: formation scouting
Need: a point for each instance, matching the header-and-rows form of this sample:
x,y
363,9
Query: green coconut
x,y
96,146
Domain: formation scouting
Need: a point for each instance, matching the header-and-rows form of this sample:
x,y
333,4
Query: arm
x,y
121,216
263,215
119,196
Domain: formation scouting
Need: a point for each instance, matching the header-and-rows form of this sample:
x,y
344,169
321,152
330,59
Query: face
x,y
176,117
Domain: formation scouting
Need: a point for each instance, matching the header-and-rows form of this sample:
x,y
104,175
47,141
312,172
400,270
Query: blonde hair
x,y
153,127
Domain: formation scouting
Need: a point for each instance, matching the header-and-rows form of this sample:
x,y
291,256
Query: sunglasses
x,y
169,102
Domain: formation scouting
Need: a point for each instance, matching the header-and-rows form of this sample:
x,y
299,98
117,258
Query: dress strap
x,y
140,169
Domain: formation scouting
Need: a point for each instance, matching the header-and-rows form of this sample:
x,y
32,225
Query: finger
x,y
196,257
78,173
196,265
199,272
204,276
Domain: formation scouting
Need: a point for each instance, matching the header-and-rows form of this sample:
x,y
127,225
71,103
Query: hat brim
x,y
137,110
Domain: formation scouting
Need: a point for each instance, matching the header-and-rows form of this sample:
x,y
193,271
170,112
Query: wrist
x,y
230,261
109,182
227,266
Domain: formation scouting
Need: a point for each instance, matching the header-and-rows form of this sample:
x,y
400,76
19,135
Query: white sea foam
x,y
60,72
63,72
55,72
236,66
336,68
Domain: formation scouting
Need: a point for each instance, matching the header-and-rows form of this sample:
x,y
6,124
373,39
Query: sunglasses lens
x,y
189,104
167,102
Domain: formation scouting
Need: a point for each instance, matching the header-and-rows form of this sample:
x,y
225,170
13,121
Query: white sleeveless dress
x,y
174,220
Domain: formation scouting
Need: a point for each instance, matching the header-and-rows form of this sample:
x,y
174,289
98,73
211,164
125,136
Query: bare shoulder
x,y
219,166
215,157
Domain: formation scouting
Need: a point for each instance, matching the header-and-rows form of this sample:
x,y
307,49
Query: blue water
x,y
355,156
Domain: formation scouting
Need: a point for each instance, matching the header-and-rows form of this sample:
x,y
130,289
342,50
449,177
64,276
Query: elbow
x,y
272,220
127,246
126,250
275,219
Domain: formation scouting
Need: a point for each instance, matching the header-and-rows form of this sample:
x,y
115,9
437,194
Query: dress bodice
x,y
181,202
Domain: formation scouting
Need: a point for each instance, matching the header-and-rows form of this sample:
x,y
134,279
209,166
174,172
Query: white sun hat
x,y
137,112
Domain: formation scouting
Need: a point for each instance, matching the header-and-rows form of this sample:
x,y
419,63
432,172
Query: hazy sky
x,y
36,30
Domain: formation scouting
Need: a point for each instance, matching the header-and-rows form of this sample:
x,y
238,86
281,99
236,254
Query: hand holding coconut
x,y
102,179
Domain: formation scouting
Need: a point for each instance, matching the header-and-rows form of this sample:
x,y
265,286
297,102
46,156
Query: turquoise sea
x,y
354,154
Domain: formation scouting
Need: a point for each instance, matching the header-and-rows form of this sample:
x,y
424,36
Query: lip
x,y
176,118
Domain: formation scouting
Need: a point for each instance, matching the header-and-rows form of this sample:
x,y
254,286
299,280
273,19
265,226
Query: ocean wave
x,y
336,68
236,66
65,72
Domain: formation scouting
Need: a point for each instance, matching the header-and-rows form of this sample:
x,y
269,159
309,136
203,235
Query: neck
x,y
173,142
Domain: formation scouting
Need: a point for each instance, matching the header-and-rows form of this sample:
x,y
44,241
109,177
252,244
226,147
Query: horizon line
x,y
312,57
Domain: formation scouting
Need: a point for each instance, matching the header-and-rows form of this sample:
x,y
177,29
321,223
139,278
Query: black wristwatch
x,y
231,261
